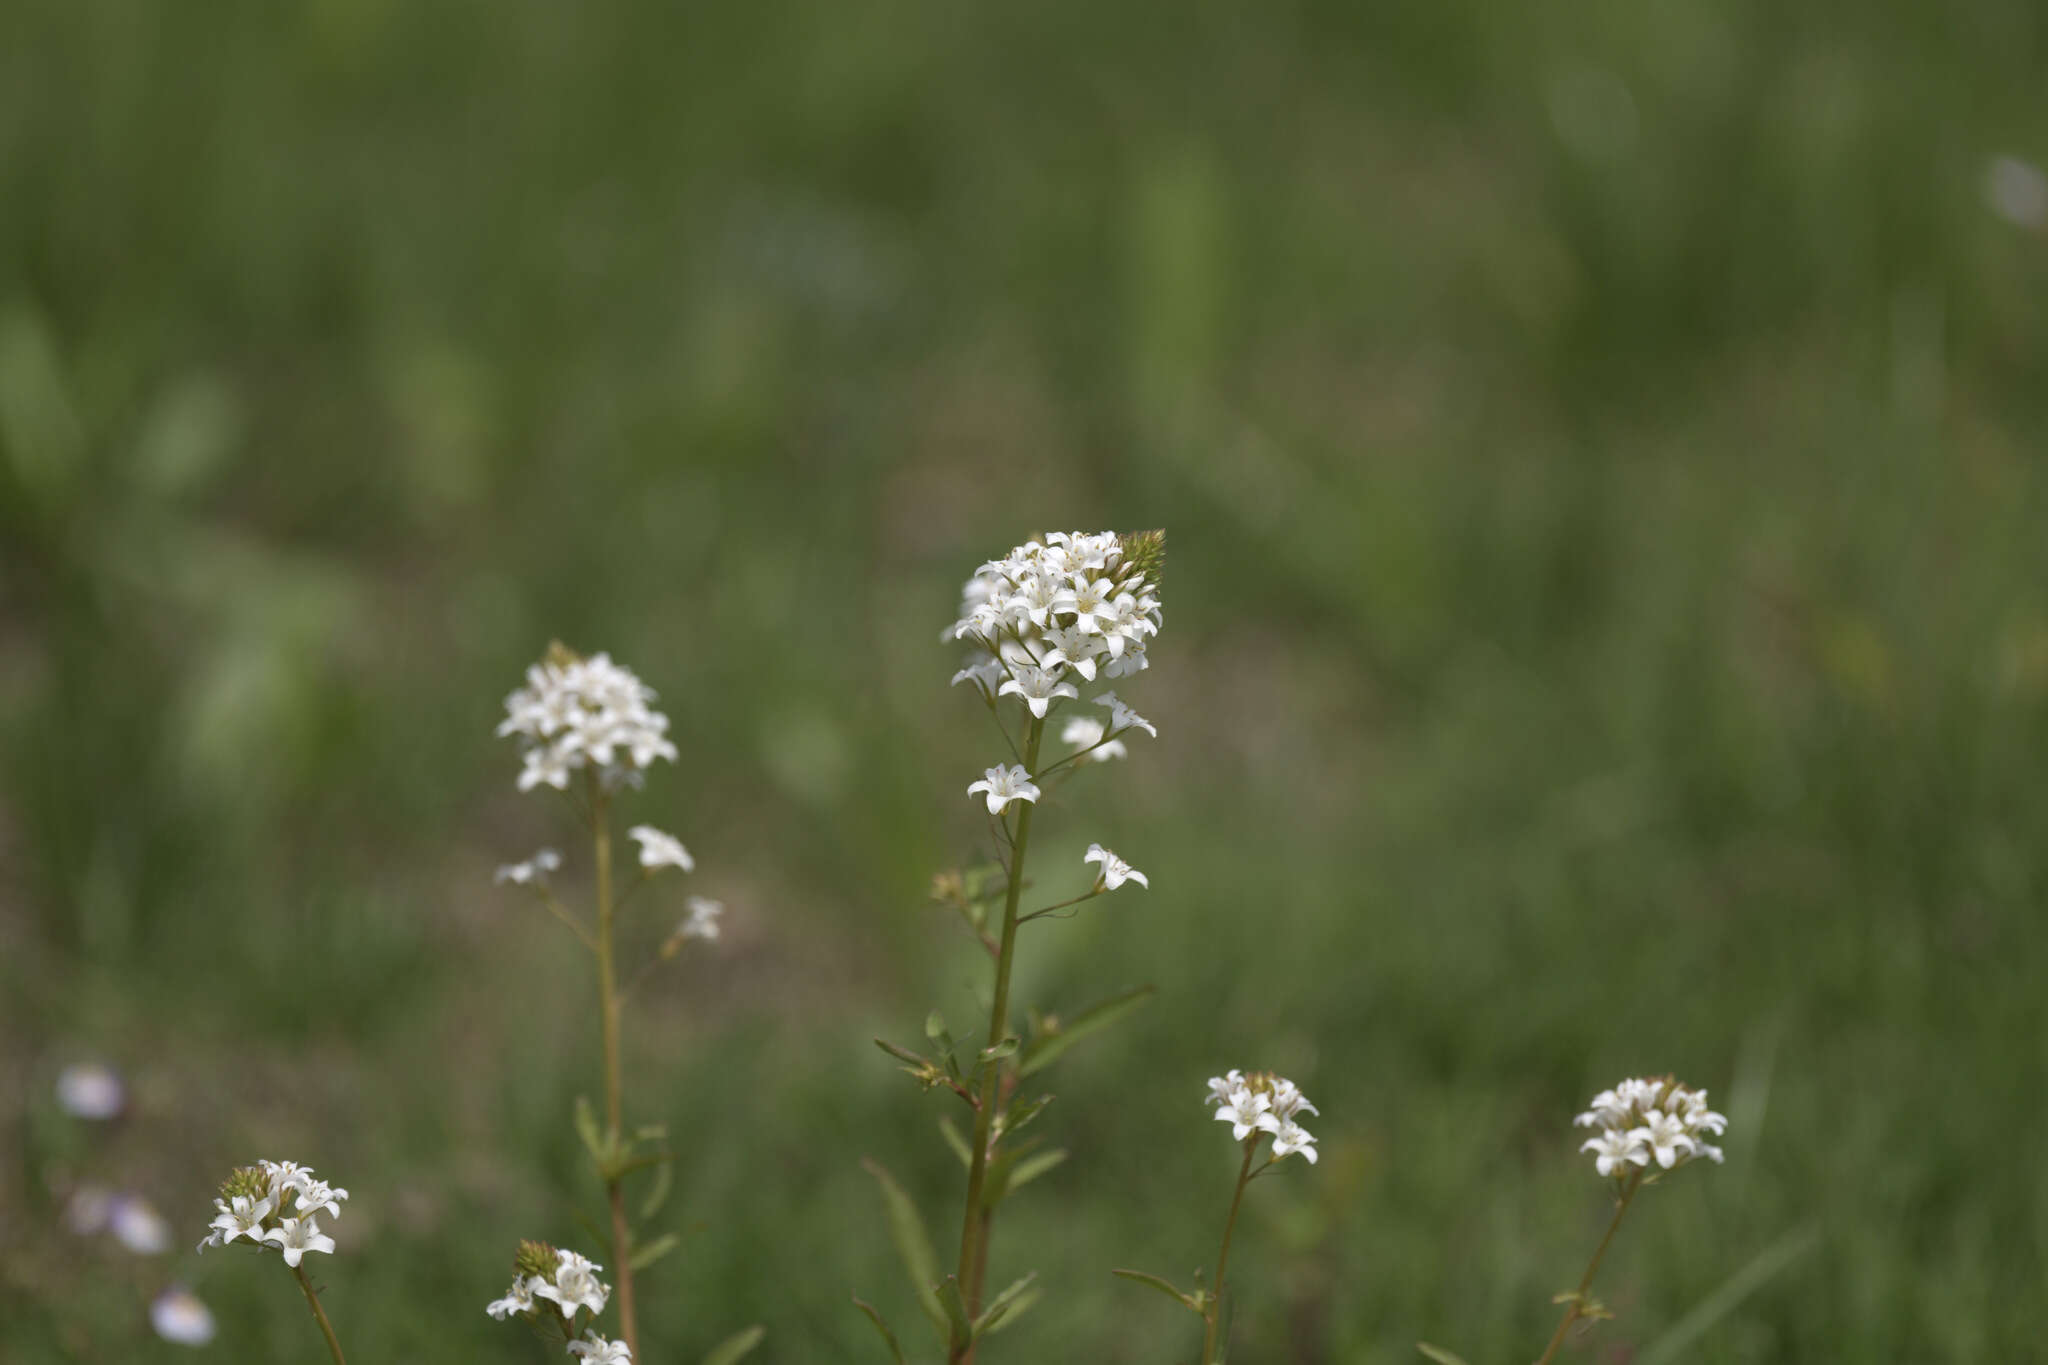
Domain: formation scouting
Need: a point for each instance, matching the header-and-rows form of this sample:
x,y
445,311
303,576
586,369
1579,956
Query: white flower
x,y
1005,785
1084,602
1122,717
1613,1148
285,1176
297,1236
1291,1137
518,1299
1665,1136
661,850
178,1316
1247,1111
1221,1088
243,1217
1085,734
1115,871
983,674
318,1194
1074,649
702,921
137,1225
1038,688
595,1350
575,1286
90,1090
575,713
534,871
1288,1099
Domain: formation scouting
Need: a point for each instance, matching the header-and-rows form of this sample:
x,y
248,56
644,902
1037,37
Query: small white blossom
x,y
1613,1148
241,1217
1291,1137
91,1090
1646,1118
1247,1111
533,872
297,1236
576,1285
595,1350
576,713
1084,734
702,921
1115,871
1664,1134
658,850
178,1316
1221,1088
1122,717
318,1194
1073,601
1038,688
1004,785
984,674
1288,1099
137,1225
518,1299
1075,649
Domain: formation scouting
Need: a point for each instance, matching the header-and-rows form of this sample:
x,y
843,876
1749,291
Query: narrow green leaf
x,y
903,1054
1009,1123
913,1247
1765,1266
1439,1354
956,1313
647,1255
735,1347
996,1052
1031,1168
895,1349
657,1195
1018,1308
1006,1303
956,1141
1141,1277
1049,1047
587,1129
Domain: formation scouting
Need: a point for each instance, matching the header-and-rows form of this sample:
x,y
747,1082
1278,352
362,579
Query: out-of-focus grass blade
x,y
895,1348
1723,1301
906,1229
1046,1049
1439,1354
736,1346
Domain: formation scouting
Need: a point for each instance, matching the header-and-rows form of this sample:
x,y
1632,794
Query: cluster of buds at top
x,y
273,1204
1070,604
579,713
1262,1103
1650,1119
569,1285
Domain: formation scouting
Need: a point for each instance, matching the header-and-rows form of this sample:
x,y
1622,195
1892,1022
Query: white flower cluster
x,y
1073,603
575,713
1262,1103
571,1283
1648,1119
273,1203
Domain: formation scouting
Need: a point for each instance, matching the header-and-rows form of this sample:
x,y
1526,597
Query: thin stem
x,y
1576,1309
319,1315
576,926
974,1225
1088,895
608,1006
1108,737
1214,1316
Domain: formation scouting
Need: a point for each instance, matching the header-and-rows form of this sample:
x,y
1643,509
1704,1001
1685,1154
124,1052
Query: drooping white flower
x,y
297,1236
658,850
534,871
1038,688
1115,871
1004,785
575,1285
137,1225
1122,717
179,1316
1291,1137
1084,734
702,920
1613,1149
595,1350
91,1090
518,1299
1247,1111
577,713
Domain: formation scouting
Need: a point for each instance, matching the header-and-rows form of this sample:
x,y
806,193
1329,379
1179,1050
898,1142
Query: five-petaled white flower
x,y
534,871
1247,1111
1004,785
318,1194
1613,1149
518,1299
297,1236
595,1350
1122,717
1038,688
1115,871
1221,1088
1084,733
658,850
1288,1099
576,1285
241,1217
1291,1137
702,921
1664,1134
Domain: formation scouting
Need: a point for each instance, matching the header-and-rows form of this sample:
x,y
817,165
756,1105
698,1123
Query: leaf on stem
x,y
1008,1305
661,1246
895,1348
1186,1301
913,1246
996,1052
664,1181
735,1347
594,1139
1055,1038
1008,1124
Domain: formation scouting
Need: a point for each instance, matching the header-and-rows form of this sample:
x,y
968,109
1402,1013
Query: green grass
x,y
1606,633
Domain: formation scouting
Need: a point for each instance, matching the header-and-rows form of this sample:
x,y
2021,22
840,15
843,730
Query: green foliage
x,y
914,1250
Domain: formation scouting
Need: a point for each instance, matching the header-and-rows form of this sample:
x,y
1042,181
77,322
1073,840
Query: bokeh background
x,y
1605,633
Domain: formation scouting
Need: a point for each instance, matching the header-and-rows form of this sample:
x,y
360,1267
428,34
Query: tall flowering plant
x,y
1051,617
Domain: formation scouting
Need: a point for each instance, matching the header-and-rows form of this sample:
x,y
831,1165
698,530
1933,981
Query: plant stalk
x,y
974,1224
319,1315
608,1006
1576,1308
1213,1318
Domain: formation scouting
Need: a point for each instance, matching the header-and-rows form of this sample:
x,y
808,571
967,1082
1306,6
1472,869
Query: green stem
x,y
1576,1309
973,1224
608,1006
1213,1318
319,1315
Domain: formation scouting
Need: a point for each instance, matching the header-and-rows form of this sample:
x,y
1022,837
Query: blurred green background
x,y
1605,634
